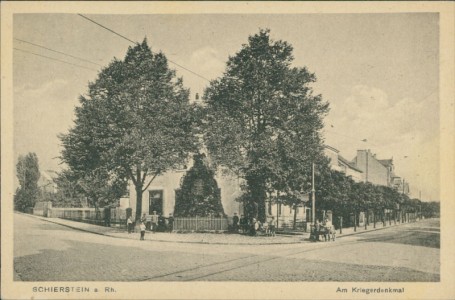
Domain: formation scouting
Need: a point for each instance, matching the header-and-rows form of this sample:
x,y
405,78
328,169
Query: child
x,y
265,226
142,227
272,226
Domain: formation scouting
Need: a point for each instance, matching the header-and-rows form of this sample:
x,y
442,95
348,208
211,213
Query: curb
x,y
162,241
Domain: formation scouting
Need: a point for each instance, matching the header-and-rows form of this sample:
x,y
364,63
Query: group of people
x,y
153,223
253,226
326,229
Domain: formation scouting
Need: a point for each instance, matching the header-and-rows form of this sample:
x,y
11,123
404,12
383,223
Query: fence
x,y
201,224
118,219
91,215
222,224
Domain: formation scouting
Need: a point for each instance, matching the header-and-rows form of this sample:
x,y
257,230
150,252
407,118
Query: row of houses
x,y
365,167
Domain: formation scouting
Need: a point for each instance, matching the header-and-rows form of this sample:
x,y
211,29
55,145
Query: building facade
x,y
378,172
161,194
400,185
339,163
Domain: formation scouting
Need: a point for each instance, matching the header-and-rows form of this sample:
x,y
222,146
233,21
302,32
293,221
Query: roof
x,y
386,162
331,148
348,163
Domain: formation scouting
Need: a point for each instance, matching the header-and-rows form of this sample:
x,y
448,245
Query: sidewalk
x,y
205,238
379,226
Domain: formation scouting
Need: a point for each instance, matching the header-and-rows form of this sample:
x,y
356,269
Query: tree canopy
x,y
263,120
135,122
69,193
98,186
28,174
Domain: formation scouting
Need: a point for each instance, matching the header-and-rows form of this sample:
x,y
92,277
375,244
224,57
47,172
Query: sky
x,y
379,72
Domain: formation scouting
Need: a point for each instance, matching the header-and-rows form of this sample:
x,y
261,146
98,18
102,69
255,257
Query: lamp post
x,y
313,197
313,206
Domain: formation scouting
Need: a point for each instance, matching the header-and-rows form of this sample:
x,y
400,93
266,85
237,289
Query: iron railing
x,y
201,224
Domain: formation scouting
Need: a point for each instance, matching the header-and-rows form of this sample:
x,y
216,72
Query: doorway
x,y
156,201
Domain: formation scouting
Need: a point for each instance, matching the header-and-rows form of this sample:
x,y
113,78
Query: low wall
x,y
42,208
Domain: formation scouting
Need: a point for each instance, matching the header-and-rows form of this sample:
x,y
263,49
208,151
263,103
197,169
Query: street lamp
x,y
313,196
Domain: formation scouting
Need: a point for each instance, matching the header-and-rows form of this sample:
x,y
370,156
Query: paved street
x,y
44,251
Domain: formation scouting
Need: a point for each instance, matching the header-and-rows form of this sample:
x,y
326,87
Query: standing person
x,y
257,227
329,229
243,223
154,221
107,216
143,219
161,223
253,227
265,226
148,222
129,224
235,223
142,227
272,226
170,224
317,228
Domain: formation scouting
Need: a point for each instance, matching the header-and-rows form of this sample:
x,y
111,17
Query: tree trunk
x,y
374,219
258,195
138,202
261,209
355,221
138,187
295,217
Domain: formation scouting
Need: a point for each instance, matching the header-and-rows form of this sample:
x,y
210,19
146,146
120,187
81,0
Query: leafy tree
x,y
28,174
98,186
101,188
390,200
199,194
333,190
358,201
430,209
69,193
134,123
263,121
